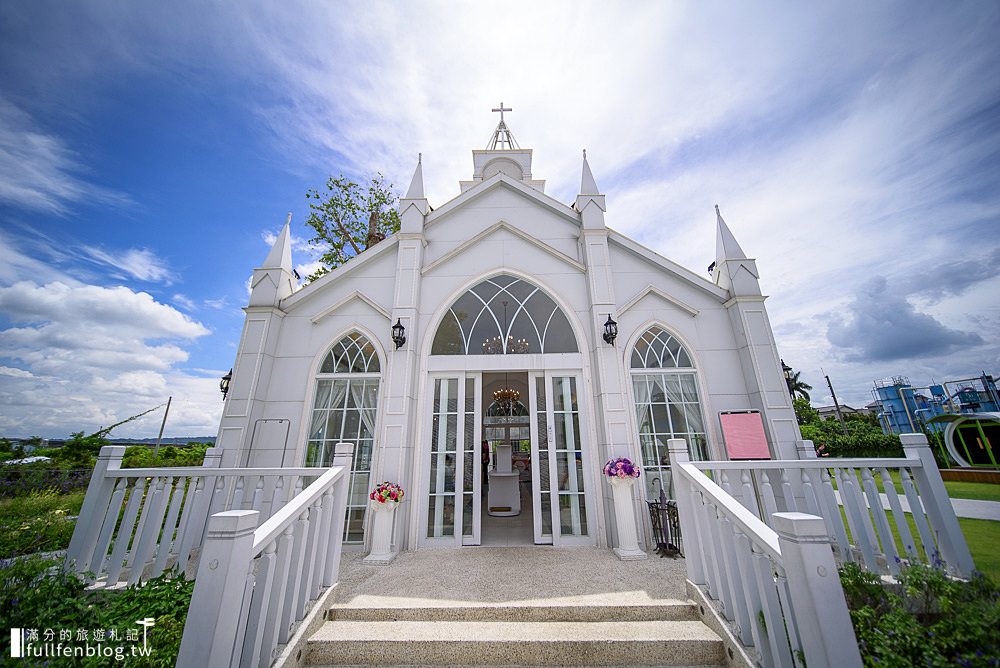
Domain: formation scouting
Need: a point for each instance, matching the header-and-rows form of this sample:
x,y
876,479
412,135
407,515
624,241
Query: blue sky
x,y
149,151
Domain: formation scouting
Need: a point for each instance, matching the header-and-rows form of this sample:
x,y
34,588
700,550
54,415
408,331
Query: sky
x,y
149,152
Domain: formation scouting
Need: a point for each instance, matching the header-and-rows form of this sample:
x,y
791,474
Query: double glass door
x,y
559,484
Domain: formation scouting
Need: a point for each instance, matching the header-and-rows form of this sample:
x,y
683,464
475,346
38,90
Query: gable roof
x,y
496,181
497,227
668,266
348,267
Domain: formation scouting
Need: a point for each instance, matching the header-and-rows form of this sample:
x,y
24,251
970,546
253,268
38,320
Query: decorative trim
x,y
354,295
653,290
483,187
504,225
669,266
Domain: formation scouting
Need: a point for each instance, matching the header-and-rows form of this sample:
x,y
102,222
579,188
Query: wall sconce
x,y
610,331
398,334
224,384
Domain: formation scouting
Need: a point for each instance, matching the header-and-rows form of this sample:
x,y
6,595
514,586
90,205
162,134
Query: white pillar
x,y
628,539
677,449
214,614
817,598
382,516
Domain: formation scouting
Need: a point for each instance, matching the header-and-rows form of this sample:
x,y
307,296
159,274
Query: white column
x,y
213,617
628,539
382,516
677,449
817,598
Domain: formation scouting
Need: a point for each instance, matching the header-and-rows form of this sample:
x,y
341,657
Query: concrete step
x,y
594,608
528,643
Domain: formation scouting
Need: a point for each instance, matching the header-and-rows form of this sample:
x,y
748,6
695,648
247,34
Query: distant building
x,y
903,408
828,412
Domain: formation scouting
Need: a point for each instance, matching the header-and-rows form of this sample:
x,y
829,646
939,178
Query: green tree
x,y
349,218
797,387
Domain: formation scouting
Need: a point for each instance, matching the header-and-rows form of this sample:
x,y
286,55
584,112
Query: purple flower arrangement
x,y
387,492
622,467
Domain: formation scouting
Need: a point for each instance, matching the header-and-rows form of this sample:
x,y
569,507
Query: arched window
x,y
345,411
504,315
665,389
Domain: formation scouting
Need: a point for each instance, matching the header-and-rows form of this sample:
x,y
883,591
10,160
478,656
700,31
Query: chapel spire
x,y
590,202
280,255
275,279
733,270
416,189
588,186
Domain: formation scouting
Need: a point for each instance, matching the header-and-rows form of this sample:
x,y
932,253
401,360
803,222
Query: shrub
x,y
929,619
37,594
39,522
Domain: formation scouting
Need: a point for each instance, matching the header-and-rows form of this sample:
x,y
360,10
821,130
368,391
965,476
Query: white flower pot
x,y
628,537
382,514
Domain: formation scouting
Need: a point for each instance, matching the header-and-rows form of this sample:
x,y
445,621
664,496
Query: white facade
x,y
581,405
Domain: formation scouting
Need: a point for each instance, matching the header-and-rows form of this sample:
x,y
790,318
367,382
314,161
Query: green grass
x,y
980,491
983,537
39,522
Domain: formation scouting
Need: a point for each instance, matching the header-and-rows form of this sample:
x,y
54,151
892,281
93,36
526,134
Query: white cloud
x,y
184,302
139,263
39,171
94,356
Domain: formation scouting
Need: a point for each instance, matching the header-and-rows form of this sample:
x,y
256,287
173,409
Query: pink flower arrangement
x,y
387,492
622,467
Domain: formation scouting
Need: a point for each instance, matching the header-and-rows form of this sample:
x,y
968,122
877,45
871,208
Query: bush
x,y
141,456
930,619
37,594
39,522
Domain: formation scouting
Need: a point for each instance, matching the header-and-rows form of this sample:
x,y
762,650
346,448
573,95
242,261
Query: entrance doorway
x,y
507,454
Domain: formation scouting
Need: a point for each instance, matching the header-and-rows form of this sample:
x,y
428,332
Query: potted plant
x,y
383,501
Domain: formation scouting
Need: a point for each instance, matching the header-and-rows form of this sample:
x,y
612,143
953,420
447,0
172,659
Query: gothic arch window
x,y
665,390
345,410
504,315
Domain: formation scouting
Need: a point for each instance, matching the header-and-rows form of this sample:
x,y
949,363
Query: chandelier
x,y
505,398
496,346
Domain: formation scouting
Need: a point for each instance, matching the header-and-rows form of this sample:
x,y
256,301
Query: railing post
x,y
817,598
214,614
937,505
95,505
213,458
677,449
805,449
343,455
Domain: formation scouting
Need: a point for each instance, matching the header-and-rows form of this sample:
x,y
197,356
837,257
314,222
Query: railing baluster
x,y
253,642
856,516
917,513
831,511
881,523
258,494
777,636
739,605
96,561
163,550
146,538
749,494
275,610
898,516
289,611
118,554
750,595
786,491
309,560
767,496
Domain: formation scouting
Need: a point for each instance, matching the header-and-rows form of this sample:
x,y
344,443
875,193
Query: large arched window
x,y
345,411
665,389
504,315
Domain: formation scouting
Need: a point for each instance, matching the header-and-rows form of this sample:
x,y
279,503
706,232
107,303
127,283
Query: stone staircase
x,y
614,628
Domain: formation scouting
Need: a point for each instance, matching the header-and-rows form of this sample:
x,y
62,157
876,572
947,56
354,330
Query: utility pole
x,y
156,448
836,404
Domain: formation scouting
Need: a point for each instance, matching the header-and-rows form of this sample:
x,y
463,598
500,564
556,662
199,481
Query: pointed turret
x,y
414,206
588,186
275,280
733,271
590,202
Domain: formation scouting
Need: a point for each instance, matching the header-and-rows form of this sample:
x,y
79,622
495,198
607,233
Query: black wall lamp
x,y
398,334
610,331
224,384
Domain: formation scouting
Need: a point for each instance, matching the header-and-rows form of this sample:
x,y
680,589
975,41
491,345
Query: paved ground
x,y
971,508
507,574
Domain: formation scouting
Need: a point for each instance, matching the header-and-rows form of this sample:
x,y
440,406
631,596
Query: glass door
x,y
558,481
455,472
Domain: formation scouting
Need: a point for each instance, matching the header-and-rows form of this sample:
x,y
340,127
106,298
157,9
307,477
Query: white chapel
x,y
494,354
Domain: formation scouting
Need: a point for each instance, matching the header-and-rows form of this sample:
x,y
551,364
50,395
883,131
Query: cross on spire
x,y
501,109
502,138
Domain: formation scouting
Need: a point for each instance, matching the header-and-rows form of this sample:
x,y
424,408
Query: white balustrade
x,y
256,583
764,538
137,523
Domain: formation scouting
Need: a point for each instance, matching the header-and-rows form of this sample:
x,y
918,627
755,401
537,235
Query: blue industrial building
x,y
903,408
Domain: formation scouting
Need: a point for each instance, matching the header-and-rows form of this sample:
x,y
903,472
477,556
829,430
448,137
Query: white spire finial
x,y
280,256
726,247
588,185
416,189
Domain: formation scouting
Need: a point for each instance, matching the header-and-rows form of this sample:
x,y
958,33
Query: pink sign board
x,y
744,435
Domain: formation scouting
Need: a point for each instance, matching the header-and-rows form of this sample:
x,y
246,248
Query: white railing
x,y
136,523
256,583
764,538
